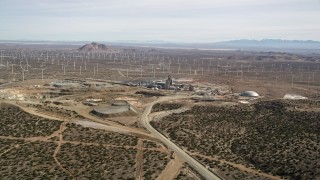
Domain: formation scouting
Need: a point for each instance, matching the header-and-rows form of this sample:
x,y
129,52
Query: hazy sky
x,y
168,20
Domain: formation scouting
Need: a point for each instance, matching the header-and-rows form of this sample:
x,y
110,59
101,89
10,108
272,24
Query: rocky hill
x,y
95,47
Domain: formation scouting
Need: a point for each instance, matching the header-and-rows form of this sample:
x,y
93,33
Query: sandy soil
x,y
32,111
56,151
139,160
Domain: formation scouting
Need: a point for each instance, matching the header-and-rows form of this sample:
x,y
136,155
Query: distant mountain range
x,y
272,43
242,44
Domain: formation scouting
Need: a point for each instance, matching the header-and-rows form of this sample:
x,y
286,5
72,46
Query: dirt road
x,y
187,158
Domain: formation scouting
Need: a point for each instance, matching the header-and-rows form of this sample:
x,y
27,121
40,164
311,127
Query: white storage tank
x,y
249,94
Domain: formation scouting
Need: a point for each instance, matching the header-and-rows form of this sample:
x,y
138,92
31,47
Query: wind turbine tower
x,y
42,73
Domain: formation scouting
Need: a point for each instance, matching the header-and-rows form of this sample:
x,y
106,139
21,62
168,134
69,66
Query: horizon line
x,y
158,41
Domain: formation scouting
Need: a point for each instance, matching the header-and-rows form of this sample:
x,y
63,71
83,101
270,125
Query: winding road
x,y
183,155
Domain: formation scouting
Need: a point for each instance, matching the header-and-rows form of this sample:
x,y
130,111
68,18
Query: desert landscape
x,y
104,112
159,90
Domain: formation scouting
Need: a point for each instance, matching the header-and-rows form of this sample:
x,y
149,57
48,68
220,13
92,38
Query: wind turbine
x,y
241,75
141,71
12,68
23,74
1,56
42,73
64,70
27,65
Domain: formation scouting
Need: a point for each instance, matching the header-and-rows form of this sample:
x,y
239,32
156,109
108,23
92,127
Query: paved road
x,y
191,161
